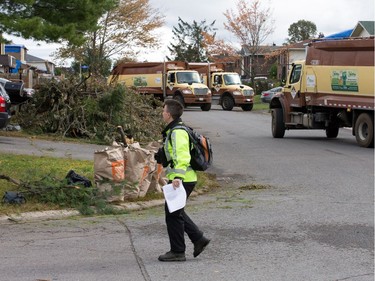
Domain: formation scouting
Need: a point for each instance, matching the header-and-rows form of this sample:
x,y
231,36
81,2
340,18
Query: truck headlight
x,y
237,93
187,92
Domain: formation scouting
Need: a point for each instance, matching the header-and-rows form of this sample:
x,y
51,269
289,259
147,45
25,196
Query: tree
x,y
189,39
218,50
121,32
301,30
251,25
52,20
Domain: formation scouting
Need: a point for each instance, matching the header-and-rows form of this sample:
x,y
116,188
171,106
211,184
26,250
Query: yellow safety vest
x,y
177,152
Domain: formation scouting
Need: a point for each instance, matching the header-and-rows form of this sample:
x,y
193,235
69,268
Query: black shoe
x,y
171,256
200,245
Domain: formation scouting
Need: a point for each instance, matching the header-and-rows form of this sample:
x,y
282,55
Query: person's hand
x,y
176,183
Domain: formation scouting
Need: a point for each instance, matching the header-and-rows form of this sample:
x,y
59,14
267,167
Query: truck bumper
x,y
243,100
197,99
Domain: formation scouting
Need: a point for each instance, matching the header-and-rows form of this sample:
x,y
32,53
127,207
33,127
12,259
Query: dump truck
x,y
226,87
164,80
332,88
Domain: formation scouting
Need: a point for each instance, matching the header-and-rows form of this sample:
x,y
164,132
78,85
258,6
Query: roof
x,y
246,49
363,25
31,58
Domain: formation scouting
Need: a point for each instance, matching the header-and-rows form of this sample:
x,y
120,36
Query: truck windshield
x,y
232,79
188,77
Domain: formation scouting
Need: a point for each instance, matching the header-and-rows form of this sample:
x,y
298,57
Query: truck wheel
x,y
364,130
227,103
247,107
180,99
332,131
278,126
206,107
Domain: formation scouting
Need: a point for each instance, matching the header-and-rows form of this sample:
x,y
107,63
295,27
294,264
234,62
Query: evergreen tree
x,y
189,39
52,20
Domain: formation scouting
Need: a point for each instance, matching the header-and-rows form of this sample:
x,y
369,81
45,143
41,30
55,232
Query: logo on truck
x,y
344,80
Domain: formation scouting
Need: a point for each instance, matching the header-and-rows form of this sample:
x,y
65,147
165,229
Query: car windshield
x,y
232,79
188,77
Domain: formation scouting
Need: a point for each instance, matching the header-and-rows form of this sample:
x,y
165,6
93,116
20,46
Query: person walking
x,y
176,150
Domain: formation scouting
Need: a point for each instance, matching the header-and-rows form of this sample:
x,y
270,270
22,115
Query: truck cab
x,y
226,87
228,91
187,87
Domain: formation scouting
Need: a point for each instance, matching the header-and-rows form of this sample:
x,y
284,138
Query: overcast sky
x,y
330,16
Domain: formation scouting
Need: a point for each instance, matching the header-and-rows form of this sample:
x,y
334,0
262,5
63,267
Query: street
x,y
312,217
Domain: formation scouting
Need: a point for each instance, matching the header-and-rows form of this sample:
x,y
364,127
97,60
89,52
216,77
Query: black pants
x,y
179,222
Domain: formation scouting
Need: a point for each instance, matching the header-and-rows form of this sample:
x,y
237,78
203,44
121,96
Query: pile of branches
x,y
71,108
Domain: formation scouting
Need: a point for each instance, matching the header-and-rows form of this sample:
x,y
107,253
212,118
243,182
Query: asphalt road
x,y
313,220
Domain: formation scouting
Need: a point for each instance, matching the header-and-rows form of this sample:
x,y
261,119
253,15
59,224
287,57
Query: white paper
x,y
175,198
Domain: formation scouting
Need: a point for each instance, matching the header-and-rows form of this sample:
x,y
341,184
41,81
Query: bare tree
x,y
251,25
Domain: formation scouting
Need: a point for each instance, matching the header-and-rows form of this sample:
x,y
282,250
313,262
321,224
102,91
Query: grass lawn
x,y
35,169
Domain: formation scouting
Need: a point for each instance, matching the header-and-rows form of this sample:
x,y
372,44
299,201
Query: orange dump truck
x,y
226,87
164,80
332,88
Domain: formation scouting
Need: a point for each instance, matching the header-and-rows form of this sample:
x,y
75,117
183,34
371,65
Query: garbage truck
x,y
226,87
332,88
164,80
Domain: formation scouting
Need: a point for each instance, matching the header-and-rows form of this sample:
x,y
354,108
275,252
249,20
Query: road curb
x,y
58,214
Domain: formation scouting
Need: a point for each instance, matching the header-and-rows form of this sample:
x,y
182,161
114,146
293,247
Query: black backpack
x,y
201,151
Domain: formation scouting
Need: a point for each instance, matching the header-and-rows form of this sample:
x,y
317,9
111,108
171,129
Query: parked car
x,y
5,105
266,96
16,90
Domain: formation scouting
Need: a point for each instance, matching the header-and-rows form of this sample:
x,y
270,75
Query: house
x,y
19,52
42,65
287,55
257,63
363,29
7,62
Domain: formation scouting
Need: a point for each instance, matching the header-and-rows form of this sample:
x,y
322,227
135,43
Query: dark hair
x,y
175,108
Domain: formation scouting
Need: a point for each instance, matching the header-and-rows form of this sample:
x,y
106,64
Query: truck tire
x,y
332,131
247,107
278,126
206,107
180,99
227,103
364,130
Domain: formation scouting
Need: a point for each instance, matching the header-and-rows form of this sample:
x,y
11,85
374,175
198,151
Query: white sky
x,y
330,16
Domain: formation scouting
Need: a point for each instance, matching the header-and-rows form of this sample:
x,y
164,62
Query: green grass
x,y
48,170
259,105
28,169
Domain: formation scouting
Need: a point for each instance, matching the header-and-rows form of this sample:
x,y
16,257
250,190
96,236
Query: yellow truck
x,y
226,87
332,88
164,80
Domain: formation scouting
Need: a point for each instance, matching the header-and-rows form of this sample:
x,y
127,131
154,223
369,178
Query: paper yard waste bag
x,y
139,166
158,179
109,172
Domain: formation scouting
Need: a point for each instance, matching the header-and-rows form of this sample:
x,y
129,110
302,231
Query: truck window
x,y
296,74
217,79
171,78
232,79
188,77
